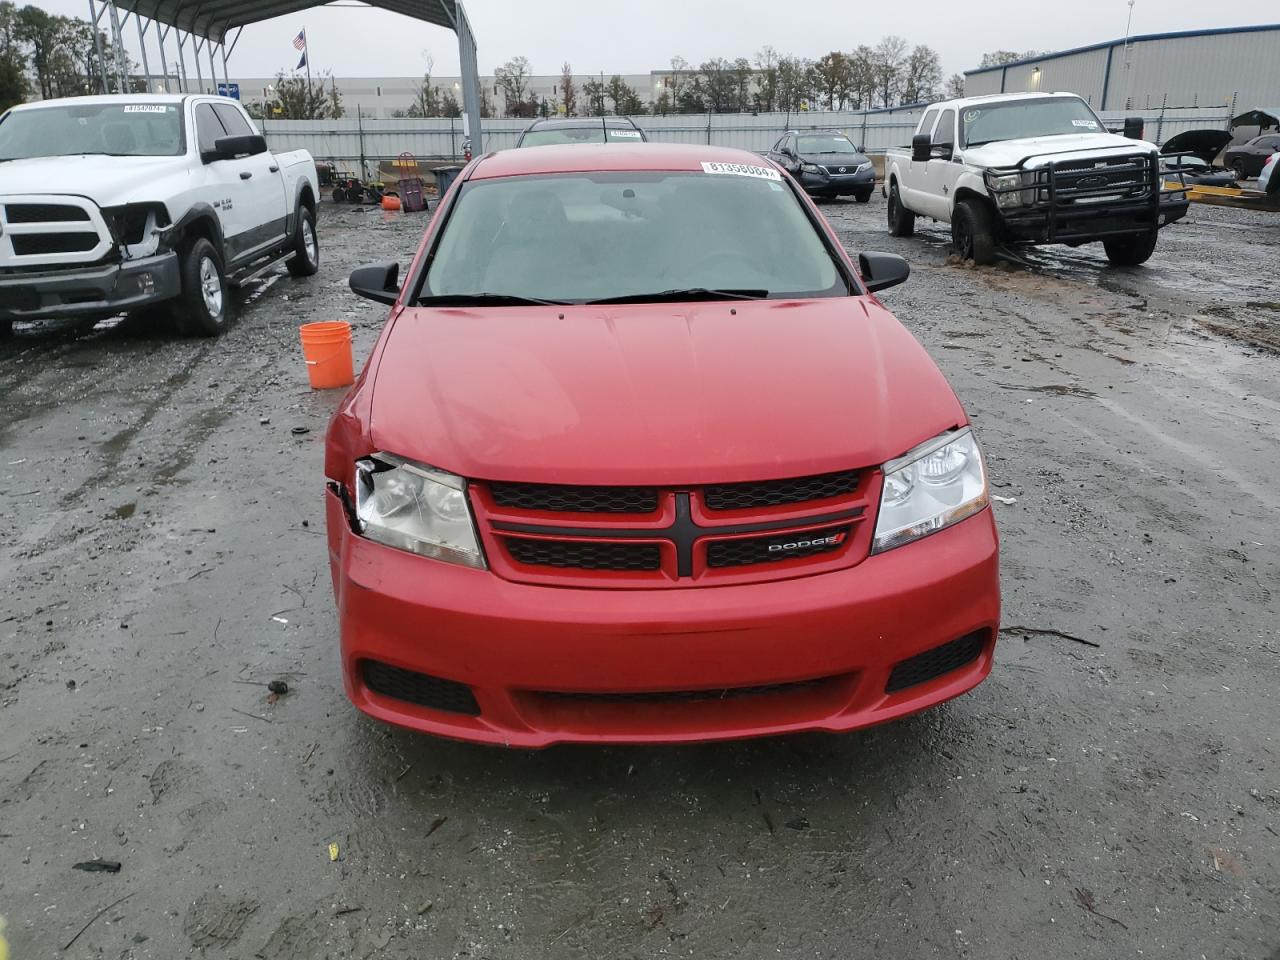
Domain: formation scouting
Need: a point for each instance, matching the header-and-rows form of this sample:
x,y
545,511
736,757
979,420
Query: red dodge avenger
x,y
640,457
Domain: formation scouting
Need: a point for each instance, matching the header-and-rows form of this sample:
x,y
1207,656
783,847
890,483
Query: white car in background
x,y
124,203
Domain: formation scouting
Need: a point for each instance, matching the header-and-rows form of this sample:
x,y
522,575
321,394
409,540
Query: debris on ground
x,y
97,866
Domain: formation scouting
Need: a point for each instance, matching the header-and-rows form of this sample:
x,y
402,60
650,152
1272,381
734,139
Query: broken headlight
x,y
416,508
933,486
1005,192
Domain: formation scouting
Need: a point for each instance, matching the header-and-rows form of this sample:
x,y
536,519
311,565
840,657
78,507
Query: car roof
x,y
116,98
564,123
608,158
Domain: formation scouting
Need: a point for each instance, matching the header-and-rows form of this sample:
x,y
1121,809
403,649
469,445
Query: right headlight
x,y
937,484
416,508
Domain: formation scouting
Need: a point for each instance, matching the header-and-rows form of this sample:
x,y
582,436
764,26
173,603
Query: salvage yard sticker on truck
x,y
146,108
741,170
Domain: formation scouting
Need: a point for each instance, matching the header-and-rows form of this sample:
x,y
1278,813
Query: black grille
x,y
566,499
33,244
585,555
771,549
690,696
44,213
924,667
774,493
419,688
1081,180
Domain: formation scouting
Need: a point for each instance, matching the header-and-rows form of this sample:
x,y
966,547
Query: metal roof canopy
x,y
211,21
1258,117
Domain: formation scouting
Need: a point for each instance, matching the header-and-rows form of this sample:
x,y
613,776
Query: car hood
x,y
1205,144
656,394
850,160
1042,150
108,181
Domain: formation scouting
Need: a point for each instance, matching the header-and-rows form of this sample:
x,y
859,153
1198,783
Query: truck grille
x,y
48,232
1081,182
669,537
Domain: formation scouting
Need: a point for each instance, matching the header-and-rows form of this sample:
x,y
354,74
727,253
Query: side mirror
x,y
1133,128
941,151
228,148
882,270
379,282
921,145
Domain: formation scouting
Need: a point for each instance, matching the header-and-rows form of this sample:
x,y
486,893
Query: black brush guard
x,y
1078,200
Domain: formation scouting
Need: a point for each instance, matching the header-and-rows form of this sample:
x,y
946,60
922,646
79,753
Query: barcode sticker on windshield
x,y
741,170
146,108
1084,123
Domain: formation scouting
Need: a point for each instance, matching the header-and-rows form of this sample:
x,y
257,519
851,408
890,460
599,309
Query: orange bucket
x,y
327,349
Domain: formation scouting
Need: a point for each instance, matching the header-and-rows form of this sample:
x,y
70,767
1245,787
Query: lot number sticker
x,y
629,134
1084,123
741,170
146,108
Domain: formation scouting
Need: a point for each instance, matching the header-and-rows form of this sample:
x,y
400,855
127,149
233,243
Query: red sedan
x,y
640,457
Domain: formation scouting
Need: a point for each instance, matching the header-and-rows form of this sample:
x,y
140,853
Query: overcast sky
x,y
636,37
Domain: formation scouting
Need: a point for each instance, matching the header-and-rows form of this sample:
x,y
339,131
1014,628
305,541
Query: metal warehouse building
x,y
1230,67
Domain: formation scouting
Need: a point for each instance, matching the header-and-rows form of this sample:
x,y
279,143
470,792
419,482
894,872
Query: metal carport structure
x,y
208,25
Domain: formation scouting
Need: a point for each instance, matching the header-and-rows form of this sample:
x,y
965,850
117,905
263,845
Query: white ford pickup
x,y
1031,168
126,203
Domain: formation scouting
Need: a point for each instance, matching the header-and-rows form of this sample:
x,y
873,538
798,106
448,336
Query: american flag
x,y
300,41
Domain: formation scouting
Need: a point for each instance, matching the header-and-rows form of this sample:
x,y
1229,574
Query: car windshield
x,y
826,145
593,133
118,130
1037,117
574,238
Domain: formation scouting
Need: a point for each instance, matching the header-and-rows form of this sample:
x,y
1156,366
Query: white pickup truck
x,y
125,203
1032,168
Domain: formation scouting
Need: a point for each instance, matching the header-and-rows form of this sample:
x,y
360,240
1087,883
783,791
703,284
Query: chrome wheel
x,y
309,240
211,286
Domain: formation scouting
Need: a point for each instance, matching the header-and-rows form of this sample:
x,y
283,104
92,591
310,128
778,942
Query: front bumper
x,y
548,665
91,291
1045,223
839,184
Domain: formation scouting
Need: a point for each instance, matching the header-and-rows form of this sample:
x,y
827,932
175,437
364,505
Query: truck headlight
x,y
416,508
935,485
1010,182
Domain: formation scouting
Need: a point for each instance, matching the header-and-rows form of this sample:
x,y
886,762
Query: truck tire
x,y
306,245
902,222
972,232
201,308
1130,250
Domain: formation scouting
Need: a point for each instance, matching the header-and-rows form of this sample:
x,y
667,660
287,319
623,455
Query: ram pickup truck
x,y
128,203
1029,168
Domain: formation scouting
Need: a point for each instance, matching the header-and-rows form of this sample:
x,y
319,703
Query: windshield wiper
x,y
691,293
485,300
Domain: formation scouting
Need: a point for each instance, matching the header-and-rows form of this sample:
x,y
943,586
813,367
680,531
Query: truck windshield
x,y
577,238
117,130
1035,117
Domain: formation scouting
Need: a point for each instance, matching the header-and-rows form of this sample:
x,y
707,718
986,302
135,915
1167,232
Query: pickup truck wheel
x,y
902,222
201,309
1132,250
972,233
306,246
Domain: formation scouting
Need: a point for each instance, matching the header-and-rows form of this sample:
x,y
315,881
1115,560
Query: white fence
x,y
876,130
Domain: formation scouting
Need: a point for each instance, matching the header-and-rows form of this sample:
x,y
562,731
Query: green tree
x,y
625,99
293,99
426,101
835,78
13,60
595,91
888,59
719,85
955,87
790,90
767,78
513,79
568,90
997,58
449,106
921,75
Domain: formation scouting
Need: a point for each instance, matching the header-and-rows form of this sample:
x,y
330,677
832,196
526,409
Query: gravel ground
x,y
1111,791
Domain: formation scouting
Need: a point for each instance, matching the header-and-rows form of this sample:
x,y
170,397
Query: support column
x,y
470,81
122,63
142,45
95,16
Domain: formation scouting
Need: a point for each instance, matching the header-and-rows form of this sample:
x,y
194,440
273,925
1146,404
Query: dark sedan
x,y
1247,159
826,165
